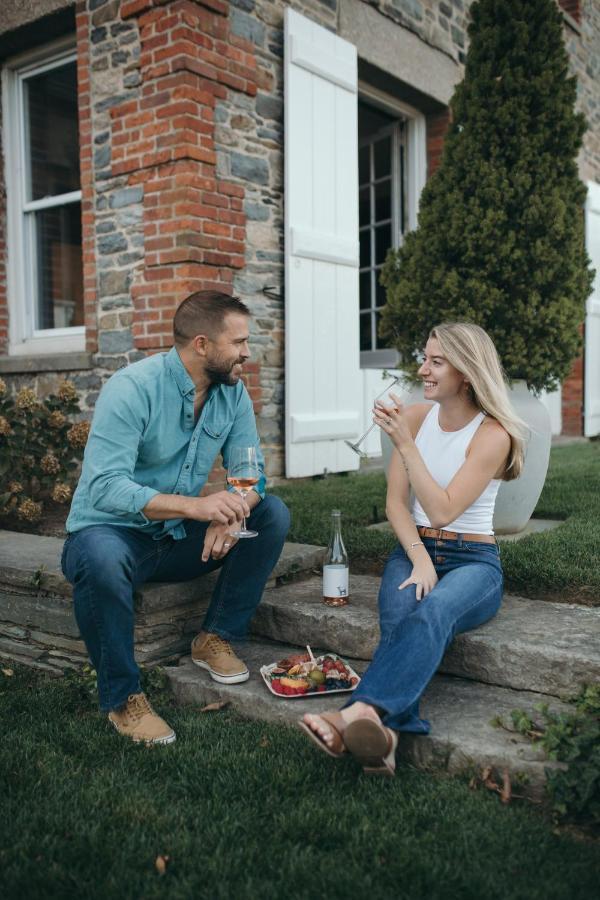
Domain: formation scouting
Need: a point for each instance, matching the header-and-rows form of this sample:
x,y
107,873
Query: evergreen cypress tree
x,y
500,239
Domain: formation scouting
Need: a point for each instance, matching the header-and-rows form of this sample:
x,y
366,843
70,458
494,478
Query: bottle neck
x,y
336,527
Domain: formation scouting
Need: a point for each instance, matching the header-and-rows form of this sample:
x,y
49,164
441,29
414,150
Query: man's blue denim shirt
x,y
144,441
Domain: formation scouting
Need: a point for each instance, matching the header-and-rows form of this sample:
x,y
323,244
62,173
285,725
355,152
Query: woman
x,y
444,577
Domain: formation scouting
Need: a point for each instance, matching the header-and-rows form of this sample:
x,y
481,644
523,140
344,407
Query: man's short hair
x,y
203,312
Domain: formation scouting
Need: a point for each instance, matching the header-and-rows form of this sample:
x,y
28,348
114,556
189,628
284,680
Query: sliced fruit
x,y
295,682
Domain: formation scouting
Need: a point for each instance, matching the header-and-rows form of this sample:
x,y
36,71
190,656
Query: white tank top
x,y
444,452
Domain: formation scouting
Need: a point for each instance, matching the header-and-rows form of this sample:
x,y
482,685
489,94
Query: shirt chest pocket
x,y
212,436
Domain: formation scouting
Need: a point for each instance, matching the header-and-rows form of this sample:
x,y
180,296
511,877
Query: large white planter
x,y
516,499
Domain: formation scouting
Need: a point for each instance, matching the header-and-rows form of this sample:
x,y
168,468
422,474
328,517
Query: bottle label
x,y
335,581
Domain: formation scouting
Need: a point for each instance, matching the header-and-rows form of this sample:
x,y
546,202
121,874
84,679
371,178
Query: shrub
x,y
40,449
500,240
573,738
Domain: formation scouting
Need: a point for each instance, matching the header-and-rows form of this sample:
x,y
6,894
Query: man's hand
x,y
217,542
222,508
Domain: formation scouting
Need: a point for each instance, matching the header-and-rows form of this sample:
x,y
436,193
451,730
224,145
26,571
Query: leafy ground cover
x,y
247,810
563,564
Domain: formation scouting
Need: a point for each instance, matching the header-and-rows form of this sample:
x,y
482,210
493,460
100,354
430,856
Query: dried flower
x,y
5,426
15,487
66,392
61,493
30,510
2,387
50,464
28,461
26,399
77,435
56,419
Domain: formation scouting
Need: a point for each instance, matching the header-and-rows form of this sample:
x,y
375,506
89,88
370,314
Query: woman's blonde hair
x,y
471,351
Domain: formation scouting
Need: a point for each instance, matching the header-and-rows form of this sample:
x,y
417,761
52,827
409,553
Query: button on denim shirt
x,y
144,441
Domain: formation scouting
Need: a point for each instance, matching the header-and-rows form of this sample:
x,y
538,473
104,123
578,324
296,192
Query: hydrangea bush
x,y
41,447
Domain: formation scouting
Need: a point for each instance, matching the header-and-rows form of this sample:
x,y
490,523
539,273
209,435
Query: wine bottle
x,y
335,567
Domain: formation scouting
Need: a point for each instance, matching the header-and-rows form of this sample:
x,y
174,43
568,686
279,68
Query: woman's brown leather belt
x,y
441,535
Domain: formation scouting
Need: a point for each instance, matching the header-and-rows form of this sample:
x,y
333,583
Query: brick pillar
x,y
437,126
163,141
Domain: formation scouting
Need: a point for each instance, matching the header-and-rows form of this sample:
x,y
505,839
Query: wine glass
x,y
356,446
242,474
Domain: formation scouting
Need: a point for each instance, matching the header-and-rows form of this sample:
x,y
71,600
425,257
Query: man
x,y
136,515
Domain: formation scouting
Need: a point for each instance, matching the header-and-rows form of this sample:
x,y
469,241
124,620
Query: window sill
x,y
379,359
45,362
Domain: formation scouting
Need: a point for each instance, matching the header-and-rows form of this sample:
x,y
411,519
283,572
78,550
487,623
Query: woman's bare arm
x,y
486,457
399,516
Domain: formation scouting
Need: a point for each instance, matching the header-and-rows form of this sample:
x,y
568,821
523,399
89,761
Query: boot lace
x,y
217,644
138,706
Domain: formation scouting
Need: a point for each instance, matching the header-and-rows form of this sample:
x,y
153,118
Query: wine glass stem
x,y
243,493
370,429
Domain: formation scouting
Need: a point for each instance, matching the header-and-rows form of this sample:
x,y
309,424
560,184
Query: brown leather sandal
x,y
373,746
337,724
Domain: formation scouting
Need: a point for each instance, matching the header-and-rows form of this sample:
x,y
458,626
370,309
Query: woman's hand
x,y
392,419
423,576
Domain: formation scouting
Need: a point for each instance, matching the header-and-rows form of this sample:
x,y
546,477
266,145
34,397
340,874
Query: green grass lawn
x,y
246,810
563,564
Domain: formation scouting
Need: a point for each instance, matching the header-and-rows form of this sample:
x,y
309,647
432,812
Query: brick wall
x,y
572,400
572,7
437,126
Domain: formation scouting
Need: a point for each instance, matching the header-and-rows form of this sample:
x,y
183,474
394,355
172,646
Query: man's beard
x,y
222,374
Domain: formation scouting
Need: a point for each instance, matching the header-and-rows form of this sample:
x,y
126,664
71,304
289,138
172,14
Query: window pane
x,y
364,208
52,125
365,248
363,165
383,200
365,331
365,289
383,157
380,295
59,269
380,344
383,242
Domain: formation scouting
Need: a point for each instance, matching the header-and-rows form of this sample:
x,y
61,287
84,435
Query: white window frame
x,y
415,174
24,339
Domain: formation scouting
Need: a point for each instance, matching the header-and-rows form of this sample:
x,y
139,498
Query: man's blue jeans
x,y
415,635
106,563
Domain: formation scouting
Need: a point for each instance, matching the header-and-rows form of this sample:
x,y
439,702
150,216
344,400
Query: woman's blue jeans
x,y
106,563
415,635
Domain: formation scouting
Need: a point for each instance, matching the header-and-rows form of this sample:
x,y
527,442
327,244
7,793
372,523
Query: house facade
x,y
147,150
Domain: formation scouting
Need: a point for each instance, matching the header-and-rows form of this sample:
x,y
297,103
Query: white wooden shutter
x,y
592,318
323,388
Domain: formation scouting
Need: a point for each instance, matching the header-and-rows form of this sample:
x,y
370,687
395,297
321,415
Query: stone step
x,y
32,562
460,712
37,625
530,645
